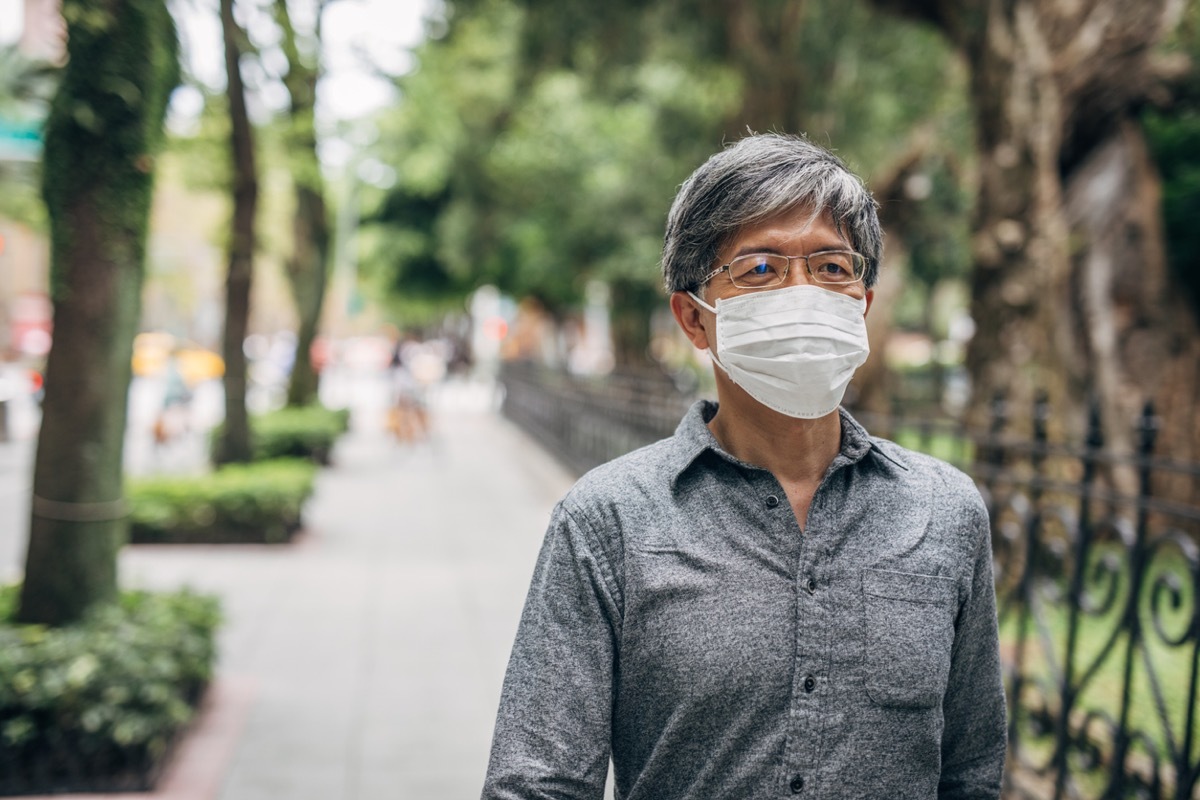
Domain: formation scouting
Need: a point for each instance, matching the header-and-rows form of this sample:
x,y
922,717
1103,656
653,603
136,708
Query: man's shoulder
x,y
635,482
948,483
943,496
646,468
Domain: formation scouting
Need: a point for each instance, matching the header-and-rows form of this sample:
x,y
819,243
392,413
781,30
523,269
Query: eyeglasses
x,y
836,269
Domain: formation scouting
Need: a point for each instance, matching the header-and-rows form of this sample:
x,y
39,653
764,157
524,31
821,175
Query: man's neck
x,y
793,450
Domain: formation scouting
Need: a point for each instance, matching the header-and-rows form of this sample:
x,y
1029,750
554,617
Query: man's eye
x,y
755,270
833,268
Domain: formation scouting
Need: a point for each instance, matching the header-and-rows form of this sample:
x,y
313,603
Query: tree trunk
x,y
97,182
1020,236
633,304
1137,331
1069,273
307,268
234,443
775,85
308,272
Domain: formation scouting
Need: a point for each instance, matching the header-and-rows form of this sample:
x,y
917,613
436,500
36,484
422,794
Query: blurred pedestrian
x,y
173,419
772,602
408,414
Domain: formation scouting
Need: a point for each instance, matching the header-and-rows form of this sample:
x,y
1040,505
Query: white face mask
x,y
793,349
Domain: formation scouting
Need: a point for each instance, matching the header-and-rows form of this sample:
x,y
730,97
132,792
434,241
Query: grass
x,y
1102,647
1161,672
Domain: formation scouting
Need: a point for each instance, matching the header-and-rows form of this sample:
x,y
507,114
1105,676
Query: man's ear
x,y
870,297
691,319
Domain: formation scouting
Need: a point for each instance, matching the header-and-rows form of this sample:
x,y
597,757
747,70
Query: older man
x,y
771,603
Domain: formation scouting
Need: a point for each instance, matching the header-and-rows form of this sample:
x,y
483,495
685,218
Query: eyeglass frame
x,y
788,269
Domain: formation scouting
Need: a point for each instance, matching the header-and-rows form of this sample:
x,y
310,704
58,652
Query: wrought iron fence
x,y
585,422
1098,586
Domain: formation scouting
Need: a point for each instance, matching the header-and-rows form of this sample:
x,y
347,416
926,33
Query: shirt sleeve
x,y
553,730
974,738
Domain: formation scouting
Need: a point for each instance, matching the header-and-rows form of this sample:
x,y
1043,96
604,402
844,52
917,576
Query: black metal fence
x,y
585,422
1097,576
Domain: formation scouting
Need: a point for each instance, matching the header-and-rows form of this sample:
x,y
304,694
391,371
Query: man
x,y
771,603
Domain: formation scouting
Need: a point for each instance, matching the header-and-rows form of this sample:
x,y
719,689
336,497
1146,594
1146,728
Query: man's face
x,y
791,234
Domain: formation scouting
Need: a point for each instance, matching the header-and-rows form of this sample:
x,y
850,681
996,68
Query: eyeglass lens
x,y
758,270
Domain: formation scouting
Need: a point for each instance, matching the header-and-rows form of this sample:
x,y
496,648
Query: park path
x,y
365,660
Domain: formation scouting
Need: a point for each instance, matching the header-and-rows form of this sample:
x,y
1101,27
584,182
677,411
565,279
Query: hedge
x,y
96,706
306,432
256,503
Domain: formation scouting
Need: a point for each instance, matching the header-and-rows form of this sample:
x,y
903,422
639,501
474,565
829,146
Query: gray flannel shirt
x,y
680,623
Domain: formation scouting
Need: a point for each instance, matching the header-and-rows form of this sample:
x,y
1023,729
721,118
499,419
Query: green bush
x,y
260,502
307,432
96,706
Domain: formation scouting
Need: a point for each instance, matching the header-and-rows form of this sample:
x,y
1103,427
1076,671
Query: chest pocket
x,y
908,637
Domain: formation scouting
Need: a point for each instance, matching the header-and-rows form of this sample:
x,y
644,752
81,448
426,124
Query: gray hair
x,y
753,180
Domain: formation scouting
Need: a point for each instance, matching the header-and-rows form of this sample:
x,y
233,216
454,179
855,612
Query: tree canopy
x,y
538,146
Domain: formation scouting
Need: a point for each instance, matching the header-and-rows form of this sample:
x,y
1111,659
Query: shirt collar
x,y
693,438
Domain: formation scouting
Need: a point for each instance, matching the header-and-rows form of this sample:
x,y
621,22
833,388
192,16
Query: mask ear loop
x,y
711,353
695,297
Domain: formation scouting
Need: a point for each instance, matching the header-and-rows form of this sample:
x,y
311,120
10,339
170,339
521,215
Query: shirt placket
x,y
811,674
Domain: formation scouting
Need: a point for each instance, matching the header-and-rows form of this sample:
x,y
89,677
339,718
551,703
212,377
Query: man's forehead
x,y
787,227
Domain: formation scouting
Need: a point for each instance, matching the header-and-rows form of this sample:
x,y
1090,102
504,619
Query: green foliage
x,y
937,232
259,502
26,87
589,180
534,181
437,141
204,150
1174,138
1175,142
95,706
538,145
305,432
888,79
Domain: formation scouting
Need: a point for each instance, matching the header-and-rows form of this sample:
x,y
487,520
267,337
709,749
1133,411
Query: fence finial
x,y
1041,416
1095,431
1148,425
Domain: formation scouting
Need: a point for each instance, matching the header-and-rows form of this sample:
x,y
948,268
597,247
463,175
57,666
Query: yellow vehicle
x,y
153,350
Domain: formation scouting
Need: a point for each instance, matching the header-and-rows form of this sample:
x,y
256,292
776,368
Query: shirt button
x,y
810,683
812,585
772,501
797,784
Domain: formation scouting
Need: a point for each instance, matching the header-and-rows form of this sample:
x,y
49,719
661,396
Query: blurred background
x,y
414,246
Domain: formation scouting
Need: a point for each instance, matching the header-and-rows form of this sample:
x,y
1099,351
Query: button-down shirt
x,y
682,624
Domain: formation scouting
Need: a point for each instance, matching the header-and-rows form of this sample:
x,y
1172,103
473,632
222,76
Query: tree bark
x,y
1020,237
308,266
759,37
1068,241
632,306
104,127
234,444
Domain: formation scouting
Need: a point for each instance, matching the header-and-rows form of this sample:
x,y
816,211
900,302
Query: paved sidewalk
x,y
369,654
